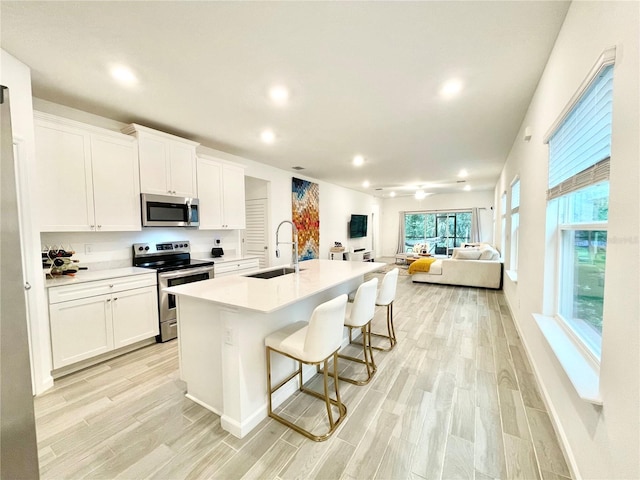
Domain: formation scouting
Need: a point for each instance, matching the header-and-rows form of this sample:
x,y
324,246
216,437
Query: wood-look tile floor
x,y
455,399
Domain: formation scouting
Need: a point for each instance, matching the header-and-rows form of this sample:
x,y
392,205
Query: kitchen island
x,y
222,324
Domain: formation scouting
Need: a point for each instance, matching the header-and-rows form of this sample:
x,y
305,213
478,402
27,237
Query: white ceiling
x,y
364,78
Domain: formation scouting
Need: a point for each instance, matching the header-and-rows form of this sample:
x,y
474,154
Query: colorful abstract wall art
x,y
306,216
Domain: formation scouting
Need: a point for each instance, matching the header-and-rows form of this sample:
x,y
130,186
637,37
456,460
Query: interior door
x,y
255,236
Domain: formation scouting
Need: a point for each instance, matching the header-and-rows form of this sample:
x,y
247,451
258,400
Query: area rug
x,y
402,269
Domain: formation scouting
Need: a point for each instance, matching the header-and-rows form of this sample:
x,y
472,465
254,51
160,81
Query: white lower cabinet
x,y
135,316
89,322
80,329
235,267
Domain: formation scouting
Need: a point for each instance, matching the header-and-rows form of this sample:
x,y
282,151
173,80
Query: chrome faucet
x,y
294,248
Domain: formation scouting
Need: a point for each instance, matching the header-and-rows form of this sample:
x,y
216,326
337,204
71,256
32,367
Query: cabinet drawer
x,y
100,287
232,268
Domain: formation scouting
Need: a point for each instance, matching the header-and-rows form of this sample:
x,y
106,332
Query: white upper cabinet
x,y
221,194
116,184
167,162
88,177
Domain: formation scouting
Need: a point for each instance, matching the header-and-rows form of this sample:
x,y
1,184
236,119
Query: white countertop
x,y
268,295
93,275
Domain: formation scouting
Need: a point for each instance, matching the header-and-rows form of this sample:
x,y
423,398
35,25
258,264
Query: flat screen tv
x,y
358,226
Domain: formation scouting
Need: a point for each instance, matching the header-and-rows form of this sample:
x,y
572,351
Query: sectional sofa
x,y
473,265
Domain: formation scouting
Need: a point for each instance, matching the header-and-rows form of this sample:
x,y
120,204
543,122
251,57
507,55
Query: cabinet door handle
x,y
99,226
115,299
108,300
27,286
111,285
92,227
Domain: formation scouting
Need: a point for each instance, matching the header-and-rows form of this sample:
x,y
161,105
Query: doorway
x,y
255,242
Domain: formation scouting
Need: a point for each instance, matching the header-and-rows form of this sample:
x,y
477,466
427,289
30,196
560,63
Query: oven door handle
x,y
185,272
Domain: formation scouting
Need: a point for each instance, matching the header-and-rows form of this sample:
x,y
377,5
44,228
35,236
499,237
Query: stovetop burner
x,y
167,256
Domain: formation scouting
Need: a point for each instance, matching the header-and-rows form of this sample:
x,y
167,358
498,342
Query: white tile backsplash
x,y
106,250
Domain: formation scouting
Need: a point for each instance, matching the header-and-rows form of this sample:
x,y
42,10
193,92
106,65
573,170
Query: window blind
x,y
584,137
590,176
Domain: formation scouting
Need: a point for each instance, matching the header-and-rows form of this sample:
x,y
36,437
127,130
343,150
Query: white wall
x,y
600,442
17,77
443,201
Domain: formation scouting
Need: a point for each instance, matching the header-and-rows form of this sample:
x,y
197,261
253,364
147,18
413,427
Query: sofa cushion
x,y
467,254
436,268
488,253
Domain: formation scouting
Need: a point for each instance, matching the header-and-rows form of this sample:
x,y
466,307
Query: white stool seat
x,y
348,321
289,339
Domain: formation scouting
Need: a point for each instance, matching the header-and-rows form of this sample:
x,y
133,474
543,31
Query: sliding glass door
x,y
441,230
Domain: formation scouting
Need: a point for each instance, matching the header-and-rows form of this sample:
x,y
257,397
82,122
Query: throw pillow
x,y
467,254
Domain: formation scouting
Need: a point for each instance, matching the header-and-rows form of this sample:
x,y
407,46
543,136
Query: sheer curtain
x,y
476,234
400,248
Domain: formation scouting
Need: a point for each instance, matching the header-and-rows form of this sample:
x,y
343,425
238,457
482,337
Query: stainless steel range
x,y
173,262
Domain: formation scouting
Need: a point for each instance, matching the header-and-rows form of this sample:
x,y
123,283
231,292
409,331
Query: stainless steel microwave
x,y
169,211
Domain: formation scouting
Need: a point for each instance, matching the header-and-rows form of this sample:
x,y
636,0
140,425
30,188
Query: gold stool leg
x,y
368,361
342,409
325,377
391,335
269,378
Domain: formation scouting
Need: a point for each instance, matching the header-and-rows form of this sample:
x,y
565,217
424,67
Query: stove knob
x,y
176,246
146,248
140,249
183,245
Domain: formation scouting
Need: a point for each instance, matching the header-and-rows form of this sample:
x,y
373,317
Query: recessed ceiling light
x,y
451,88
358,160
268,136
463,173
467,187
420,194
279,94
366,184
392,194
124,75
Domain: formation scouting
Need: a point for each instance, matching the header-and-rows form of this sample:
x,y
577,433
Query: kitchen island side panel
x,y
200,337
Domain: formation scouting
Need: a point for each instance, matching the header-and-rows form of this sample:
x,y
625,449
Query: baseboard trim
x,y
90,362
553,414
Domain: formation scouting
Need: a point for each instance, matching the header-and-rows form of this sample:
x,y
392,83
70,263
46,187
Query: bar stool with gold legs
x,y
312,343
386,296
359,315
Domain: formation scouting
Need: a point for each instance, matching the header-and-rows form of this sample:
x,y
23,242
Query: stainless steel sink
x,y
278,272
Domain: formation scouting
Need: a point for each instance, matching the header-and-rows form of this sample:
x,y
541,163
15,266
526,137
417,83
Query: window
x,y
441,230
503,224
578,208
515,224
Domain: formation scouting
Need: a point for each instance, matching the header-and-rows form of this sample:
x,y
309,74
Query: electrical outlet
x,y
228,336
88,248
